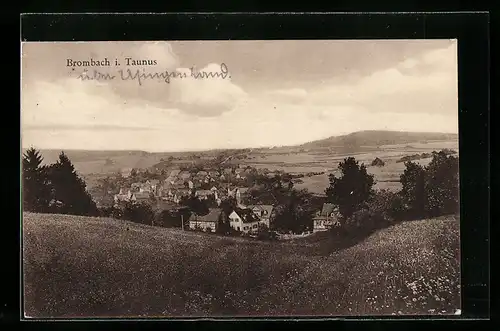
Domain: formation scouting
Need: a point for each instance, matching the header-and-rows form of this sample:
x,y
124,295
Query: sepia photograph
x,y
241,178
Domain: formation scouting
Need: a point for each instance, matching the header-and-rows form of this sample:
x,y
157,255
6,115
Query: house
x,y
179,194
174,173
239,193
378,162
126,172
184,175
140,197
202,174
123,195
326,218
243,220
153,182
228,171
213,173
135,186
263,212
207,223
203,194
239,172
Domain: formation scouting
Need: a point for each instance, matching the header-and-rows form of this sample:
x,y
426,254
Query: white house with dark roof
x,y
244,220
207,223
327,218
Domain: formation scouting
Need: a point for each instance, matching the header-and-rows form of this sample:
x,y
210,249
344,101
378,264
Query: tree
x,y
227,206
433,190
352,189
442,184
195,205
69,192
295,212
168,218
413,191
35,190
138,212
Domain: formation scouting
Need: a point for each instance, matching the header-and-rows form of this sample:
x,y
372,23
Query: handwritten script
x,y
141,75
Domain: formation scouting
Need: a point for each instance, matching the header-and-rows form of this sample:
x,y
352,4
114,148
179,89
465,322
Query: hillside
x,y
378,138
77,267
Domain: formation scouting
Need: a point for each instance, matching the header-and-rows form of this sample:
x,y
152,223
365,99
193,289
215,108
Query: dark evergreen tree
x,y
35,189
69,194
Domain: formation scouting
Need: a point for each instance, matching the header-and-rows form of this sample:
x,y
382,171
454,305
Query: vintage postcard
x,y
296,178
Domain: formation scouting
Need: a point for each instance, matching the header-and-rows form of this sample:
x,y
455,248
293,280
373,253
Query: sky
x,y
275,93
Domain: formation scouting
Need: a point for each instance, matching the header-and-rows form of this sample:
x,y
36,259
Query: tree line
x,y
427,191
54,188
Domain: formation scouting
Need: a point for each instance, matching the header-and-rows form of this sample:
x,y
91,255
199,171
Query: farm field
x,y
386,177
93,164
79,266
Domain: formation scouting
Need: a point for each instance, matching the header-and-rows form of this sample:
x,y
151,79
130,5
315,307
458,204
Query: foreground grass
x,y
77,267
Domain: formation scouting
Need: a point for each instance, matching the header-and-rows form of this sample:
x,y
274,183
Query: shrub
x,y
138,213
383,209
263,233
431,191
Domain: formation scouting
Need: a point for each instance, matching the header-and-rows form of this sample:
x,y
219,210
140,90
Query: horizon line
x,y
231,148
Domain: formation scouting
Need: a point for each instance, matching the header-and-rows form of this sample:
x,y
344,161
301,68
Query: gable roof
x,y
243,190
328,208
184,174
204,191
212,216
183,191
246,215
174,172
264,208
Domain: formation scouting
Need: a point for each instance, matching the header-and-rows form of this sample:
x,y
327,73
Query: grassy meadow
x,y
80,266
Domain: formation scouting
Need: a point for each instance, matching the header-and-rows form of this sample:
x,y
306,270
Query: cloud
x,y
416,94
427,83
206,97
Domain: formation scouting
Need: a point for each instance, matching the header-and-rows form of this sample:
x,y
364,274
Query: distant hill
x,y
105,162
377,138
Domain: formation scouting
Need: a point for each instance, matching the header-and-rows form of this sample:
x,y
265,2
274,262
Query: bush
x,y
138,213
263,233
431,191
383,209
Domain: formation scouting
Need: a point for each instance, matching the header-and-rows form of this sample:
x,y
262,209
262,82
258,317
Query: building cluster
x,y
244,218
179,184
247,219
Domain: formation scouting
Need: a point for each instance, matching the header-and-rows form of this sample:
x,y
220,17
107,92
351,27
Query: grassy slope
x,y
76,266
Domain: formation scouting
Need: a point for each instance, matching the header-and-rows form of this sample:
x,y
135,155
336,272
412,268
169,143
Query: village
x,y
213,187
